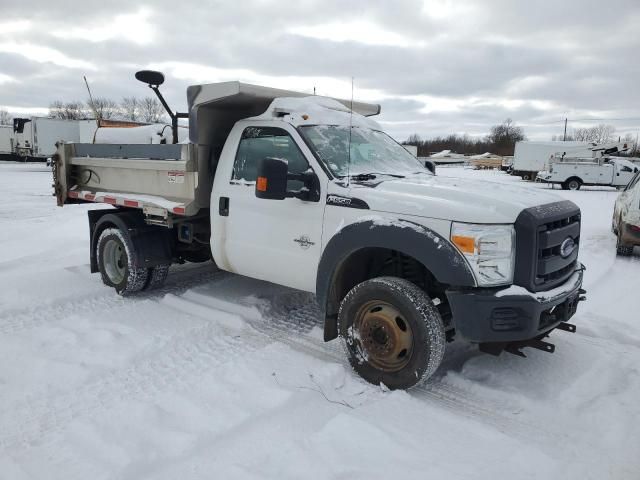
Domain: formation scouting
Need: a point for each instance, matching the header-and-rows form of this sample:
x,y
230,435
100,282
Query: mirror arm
x,y
174,116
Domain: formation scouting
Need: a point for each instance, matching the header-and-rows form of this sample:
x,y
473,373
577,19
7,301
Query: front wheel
x,y
622,249
392,332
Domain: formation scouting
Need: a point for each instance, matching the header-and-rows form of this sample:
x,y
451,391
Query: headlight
x,y
489,249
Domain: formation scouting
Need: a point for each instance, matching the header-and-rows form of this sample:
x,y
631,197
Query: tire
x,y
573,184
115,255
156,277
623,250
392,333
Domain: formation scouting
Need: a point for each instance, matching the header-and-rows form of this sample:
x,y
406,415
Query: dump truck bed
x,y
163,180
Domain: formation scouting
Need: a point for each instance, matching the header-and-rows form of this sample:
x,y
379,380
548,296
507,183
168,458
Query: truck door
x,y
623,175
603,173
275,240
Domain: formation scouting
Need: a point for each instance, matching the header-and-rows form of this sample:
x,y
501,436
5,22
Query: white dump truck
x,y
310,193
572,173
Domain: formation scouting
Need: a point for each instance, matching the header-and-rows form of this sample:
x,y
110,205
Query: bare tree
x,y
5,117
599,134
103,108
130,107
73,110
632,144
504,137
413,140
151,110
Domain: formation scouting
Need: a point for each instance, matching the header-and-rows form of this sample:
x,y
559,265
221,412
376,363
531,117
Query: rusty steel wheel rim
x,y
384,336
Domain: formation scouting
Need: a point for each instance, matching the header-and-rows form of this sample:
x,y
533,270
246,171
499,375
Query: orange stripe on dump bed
x,y
178,210
131,203
72,194
110,200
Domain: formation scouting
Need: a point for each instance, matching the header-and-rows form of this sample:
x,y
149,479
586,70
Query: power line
x,y
591,119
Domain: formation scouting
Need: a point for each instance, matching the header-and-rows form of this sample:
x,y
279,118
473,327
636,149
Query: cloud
x,y
358,31
436,66
134,27
42,54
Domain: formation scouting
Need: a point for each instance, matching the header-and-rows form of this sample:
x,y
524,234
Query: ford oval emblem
x,y
567,247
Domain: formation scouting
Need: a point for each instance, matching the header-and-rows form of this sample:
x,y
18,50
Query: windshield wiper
x,y
369,176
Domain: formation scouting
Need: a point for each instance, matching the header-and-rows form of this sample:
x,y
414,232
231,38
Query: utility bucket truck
x,y
530,158
310,193
572,173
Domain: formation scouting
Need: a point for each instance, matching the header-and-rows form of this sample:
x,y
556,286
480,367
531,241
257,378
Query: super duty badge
x,y
350,202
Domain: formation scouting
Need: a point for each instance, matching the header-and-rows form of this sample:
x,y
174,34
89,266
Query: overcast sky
x,y
435,66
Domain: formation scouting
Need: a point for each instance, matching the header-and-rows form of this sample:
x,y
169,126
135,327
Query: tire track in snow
x,y
292,326
103,299
177,365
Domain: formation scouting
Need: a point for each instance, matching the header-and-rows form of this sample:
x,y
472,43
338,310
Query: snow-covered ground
x,y
220,376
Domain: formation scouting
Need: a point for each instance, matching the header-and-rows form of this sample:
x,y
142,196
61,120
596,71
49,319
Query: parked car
x,y
626,217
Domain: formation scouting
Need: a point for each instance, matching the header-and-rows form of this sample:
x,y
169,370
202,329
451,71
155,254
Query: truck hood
x,y
447,198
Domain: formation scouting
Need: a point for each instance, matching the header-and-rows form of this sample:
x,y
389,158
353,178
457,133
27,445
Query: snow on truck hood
x,y
455,199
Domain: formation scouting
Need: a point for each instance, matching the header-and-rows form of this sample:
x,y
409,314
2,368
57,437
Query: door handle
x,y
223,206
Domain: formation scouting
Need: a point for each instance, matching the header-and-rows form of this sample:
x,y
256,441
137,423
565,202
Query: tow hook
x,y
582,292
515,348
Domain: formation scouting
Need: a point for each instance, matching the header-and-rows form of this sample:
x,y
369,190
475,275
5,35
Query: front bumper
x,y
513,314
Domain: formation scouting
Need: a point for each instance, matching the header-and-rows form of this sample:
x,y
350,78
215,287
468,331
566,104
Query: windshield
x,y
372,151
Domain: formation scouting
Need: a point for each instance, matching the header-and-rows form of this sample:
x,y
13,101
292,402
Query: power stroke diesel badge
x,y
304,242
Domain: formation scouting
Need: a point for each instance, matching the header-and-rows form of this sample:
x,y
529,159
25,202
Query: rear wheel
x,y
116,262
392,332
572,184
157,276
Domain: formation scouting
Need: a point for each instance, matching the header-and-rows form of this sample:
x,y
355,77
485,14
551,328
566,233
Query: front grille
x,y
552,267
540,233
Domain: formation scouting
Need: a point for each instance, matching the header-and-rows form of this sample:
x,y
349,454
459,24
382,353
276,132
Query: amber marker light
x,y
465,244
262,184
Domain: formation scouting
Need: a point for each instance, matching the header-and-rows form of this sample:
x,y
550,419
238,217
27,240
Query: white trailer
x,y
38,137
530,158
572,173
6,141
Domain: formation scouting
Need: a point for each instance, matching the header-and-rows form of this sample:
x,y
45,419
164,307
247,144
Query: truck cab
x,y
310,193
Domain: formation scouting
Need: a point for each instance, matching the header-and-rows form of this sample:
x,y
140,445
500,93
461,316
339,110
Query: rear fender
x,y
152,244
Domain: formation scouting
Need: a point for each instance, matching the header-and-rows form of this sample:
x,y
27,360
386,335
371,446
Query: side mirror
x,y
271,182
150,77
430,165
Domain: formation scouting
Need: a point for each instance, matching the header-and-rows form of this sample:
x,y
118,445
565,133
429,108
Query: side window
x,y
260,142
626,169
